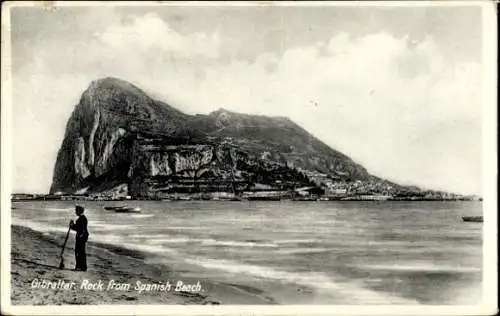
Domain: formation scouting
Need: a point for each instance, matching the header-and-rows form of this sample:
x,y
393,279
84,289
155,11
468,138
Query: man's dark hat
x,y
79,209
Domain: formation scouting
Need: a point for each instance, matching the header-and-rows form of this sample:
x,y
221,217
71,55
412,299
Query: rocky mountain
x,y
120,139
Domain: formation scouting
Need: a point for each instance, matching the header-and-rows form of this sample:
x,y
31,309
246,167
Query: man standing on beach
x,y
82,236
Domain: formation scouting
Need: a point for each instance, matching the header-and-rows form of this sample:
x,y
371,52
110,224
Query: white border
x,y
444,3
6,160
489,172
490,152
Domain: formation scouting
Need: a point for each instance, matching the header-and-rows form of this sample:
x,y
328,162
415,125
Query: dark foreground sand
x,y
35,257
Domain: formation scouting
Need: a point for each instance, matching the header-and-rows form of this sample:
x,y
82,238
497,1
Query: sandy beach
x,y
35,262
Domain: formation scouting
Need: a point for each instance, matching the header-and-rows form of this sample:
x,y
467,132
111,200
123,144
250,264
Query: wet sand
x,y
35,258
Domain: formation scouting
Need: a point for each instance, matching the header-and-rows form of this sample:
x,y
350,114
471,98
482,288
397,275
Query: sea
x,y
325,252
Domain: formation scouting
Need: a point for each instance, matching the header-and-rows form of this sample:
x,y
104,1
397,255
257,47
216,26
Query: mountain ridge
x,y
119,136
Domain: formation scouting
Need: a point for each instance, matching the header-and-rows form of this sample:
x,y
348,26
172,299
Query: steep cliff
x,y
118,137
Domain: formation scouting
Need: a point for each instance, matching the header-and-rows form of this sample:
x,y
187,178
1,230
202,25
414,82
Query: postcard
x,y
186,158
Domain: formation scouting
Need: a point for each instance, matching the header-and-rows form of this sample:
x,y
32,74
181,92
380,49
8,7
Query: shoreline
x,y
346,199
35,258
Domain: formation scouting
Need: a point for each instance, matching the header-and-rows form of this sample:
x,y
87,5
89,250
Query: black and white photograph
x,y
249,157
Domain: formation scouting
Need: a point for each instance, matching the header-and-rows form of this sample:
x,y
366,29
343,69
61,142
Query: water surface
x,y
345,252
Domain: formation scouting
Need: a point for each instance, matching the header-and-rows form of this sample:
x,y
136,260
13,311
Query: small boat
x,y
476,219
123,209
264,198
182,198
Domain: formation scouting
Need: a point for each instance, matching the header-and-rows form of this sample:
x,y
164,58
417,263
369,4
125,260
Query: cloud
x,y
401,108
151,32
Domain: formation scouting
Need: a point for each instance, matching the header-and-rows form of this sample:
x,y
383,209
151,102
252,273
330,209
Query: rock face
x,y
118,138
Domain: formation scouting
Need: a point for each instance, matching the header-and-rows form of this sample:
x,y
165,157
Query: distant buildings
x,y
322,187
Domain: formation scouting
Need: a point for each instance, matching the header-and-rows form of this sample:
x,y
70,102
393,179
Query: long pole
x,y
61,264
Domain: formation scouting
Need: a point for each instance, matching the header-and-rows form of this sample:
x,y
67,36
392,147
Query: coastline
x,y
35,258
319,199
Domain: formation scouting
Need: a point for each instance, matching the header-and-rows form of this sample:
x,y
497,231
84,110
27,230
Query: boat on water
x,y
123,209
227,198
234,199
476,219
264,198
182,198
178,198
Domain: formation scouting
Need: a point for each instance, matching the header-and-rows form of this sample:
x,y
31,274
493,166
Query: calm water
x,y
300,252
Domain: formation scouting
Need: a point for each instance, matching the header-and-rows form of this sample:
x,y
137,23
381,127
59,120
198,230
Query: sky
x,y
398,89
